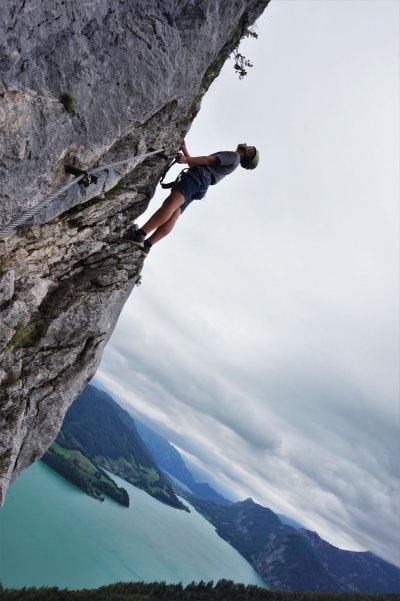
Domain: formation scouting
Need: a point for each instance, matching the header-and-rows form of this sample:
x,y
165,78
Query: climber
x,y
191,184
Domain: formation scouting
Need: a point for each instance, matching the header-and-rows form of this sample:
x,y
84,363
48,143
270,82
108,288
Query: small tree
x,y
241,62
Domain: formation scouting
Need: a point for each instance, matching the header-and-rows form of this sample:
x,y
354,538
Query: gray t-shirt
x,y
228,161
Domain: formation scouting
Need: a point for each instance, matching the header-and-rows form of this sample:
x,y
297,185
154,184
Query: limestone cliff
x,y
135,72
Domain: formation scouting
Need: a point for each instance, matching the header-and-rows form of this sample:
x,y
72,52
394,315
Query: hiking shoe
x,y
136,236
145,250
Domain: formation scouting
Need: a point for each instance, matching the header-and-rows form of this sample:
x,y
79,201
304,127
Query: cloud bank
x,y
264,338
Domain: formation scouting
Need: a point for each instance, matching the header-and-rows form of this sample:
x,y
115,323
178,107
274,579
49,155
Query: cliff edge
x,y
85,84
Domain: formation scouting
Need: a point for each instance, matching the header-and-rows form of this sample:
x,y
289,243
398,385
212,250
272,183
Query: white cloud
x,y
263,339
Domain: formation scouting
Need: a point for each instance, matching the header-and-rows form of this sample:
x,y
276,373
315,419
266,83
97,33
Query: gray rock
x,y
137,71
33,291
111,279
15,314
6,333
7,286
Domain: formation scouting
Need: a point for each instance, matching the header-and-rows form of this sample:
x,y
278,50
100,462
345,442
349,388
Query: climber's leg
x,y
164,213
164,229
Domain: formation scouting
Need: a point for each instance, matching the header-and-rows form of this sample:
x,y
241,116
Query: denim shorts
x,y
193,184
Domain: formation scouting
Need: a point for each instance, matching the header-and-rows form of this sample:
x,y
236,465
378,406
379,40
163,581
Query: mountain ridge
x,y
296,560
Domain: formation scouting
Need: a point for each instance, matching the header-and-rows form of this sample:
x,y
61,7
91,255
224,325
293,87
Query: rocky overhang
x,y
85,84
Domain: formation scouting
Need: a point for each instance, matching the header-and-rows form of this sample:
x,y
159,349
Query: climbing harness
x,y
169,185
84,177
189,171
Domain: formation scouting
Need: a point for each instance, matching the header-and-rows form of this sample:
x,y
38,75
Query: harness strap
x,y
169,185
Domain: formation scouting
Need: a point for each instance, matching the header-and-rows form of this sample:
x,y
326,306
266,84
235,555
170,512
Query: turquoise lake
x,y
52,534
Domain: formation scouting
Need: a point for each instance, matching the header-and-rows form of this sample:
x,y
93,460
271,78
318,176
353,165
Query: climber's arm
x,y
203,160
184,149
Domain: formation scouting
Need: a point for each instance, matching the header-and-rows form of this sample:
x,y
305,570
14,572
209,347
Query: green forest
x,y
224,590
80,471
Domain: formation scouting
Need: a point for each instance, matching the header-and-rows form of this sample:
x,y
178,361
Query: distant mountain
x,y
96,426
368,572
289,521
170,460
166,455
293,560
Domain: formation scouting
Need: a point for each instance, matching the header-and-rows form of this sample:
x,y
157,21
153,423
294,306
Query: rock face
x,y
85,84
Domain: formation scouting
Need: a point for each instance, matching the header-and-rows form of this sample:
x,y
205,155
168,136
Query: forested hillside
x,y
98,429
80,471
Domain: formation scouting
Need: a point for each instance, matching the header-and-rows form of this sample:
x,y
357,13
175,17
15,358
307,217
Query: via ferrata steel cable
x,y
46,201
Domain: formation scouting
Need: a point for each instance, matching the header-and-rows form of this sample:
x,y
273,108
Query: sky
x,y
263,341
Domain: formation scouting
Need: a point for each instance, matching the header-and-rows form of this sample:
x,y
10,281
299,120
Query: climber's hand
x,y
181,159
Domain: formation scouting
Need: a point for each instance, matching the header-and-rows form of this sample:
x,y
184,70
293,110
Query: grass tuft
x,y
68,101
